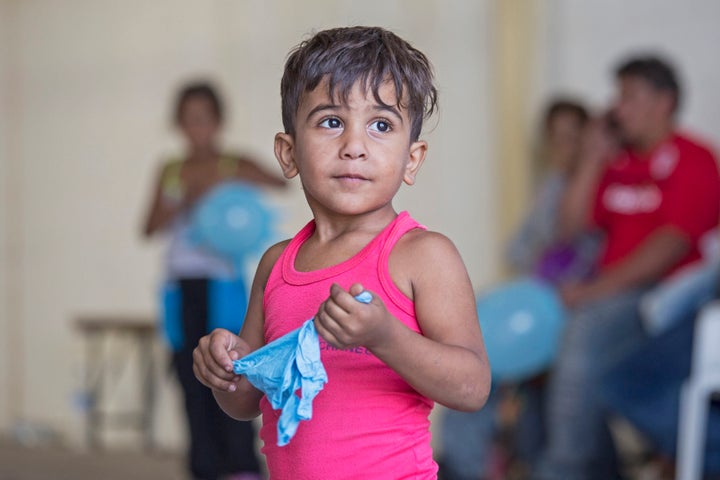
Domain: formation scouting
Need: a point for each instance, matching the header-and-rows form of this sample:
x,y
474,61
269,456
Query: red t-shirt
x,y
677,184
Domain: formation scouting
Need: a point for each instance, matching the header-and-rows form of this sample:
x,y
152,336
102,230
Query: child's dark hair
x,y
200,90
657,72
369,55
561,106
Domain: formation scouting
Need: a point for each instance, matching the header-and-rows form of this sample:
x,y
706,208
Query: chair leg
x,y
691,435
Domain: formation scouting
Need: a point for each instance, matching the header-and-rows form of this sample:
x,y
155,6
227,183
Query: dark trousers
x,y
219,445
645,389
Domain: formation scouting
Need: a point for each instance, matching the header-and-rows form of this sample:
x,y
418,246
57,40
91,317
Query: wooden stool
x,y
103,366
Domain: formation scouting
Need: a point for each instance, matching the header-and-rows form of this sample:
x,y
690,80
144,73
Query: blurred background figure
x,y
504,439
653,193
645,387
537,247
220,447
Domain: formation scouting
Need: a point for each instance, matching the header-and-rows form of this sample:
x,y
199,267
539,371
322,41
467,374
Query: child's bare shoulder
x,y
421,258
268,260
421,246
273,253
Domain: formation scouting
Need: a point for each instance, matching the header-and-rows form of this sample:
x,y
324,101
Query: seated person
x,y
468,439
645,387
653,193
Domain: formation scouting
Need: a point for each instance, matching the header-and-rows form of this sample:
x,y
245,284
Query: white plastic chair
x,y
703,382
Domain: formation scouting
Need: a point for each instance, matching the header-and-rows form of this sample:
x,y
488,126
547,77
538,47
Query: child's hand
x,y
213,357
344,322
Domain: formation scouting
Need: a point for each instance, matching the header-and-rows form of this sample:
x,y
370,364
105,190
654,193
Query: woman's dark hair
x,y
198,90
368,55
655,71
565,105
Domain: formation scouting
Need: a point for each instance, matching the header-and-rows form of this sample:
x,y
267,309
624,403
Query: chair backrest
x,y
706,345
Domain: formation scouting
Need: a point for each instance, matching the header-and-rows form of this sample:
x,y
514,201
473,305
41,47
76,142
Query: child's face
x,y
199,122
351,156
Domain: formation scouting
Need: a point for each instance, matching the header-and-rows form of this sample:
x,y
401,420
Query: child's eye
x,y
331,122
380,126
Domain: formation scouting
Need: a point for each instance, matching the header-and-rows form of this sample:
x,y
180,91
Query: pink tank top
x,y
367,422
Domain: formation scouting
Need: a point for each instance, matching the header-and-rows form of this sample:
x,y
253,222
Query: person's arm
x,y
251,171
213,357
161,212
447,362
647,263
577,201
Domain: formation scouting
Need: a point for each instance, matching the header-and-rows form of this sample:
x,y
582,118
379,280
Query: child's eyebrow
x,y
321,107
378,107
390,108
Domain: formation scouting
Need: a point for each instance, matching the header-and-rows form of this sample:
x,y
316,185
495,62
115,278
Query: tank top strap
x,y
171,184
403,224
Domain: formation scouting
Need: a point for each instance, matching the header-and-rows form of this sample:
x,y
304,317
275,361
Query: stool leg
x,y
94,367
148,390
691,432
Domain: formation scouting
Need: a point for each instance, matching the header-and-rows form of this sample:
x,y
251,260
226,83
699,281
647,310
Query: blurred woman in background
x,y
220,447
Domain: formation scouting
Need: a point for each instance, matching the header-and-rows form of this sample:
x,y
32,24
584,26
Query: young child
x,y
353,104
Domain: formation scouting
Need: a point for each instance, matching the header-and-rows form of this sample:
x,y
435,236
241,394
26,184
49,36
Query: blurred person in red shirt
x,y
652,192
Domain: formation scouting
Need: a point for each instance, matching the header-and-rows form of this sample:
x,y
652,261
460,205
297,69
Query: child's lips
x,y
351,177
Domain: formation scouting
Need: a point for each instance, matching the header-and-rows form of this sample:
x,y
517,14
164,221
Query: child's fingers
x,y
328,334
332,322
221,342
346,299
209,367
206,377
325,324
356,289
338,296
334,312
211,372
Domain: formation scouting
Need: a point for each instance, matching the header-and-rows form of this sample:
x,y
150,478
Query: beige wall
x,y
584,41
90,95
4,198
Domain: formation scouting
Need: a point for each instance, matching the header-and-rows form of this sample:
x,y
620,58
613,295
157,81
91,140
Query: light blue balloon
x,y
522,322
233,221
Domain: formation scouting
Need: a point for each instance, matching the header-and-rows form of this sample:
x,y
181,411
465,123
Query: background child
x,y
353,104
219,445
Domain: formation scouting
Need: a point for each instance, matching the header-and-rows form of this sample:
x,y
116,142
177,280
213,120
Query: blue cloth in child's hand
x,y
286,365
282,367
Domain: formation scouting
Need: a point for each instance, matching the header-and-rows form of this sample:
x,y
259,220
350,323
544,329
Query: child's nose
x,y
353,146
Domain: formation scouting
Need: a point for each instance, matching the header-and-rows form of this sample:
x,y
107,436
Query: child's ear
x,y
415,159
284,153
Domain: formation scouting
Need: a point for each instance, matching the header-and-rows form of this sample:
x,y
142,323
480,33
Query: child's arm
x,y
447,363
213,357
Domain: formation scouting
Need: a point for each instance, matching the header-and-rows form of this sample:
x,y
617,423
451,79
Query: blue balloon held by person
x,y
233,221
522,322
